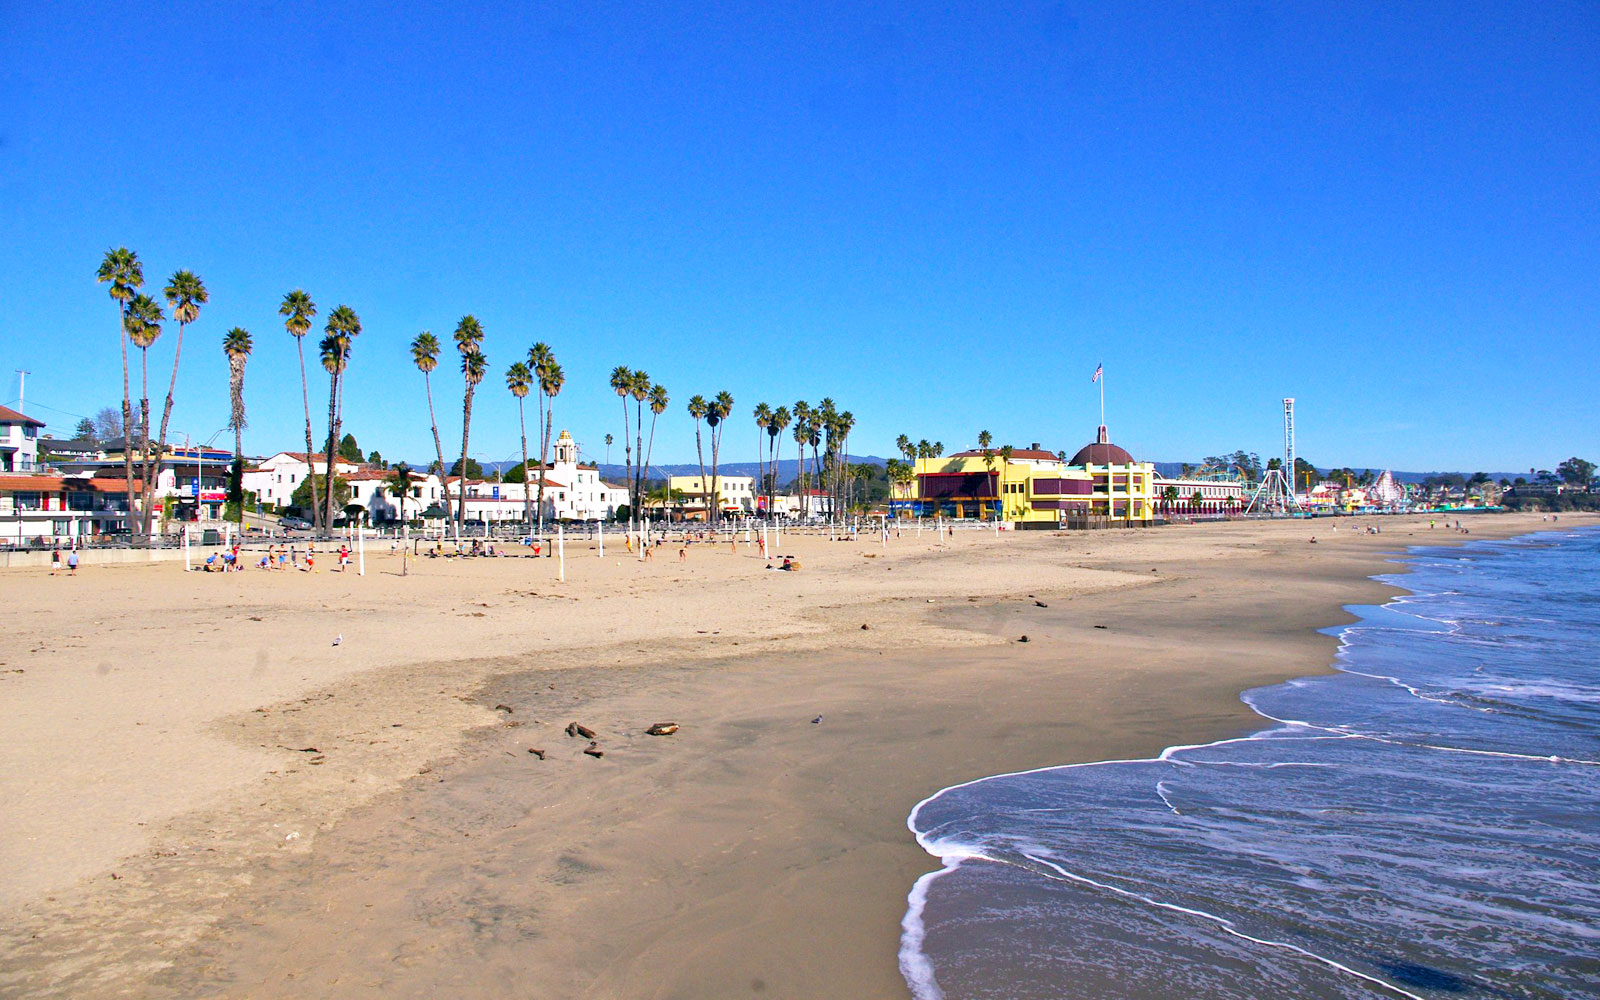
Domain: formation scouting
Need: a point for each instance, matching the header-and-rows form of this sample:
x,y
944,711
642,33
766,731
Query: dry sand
x,y
203,795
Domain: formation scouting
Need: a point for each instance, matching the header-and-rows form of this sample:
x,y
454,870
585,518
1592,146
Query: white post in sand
x,y
602,525
361,552
186,566
561,552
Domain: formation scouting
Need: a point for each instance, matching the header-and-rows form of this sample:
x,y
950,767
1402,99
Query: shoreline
x,y
689,856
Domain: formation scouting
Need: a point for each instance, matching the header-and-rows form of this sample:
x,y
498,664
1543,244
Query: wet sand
x,y
420,850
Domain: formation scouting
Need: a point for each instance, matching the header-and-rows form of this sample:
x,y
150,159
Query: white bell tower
x,y
566,452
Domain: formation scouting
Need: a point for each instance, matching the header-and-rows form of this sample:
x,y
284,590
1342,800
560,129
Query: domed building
x,y
1124,488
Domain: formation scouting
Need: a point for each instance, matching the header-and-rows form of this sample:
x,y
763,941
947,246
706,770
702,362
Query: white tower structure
x,y
1276,492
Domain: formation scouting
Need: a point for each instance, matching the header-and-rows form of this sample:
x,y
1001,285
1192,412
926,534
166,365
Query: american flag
x,y
1099,370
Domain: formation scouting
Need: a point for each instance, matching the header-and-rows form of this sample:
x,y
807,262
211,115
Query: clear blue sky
x,y
943,216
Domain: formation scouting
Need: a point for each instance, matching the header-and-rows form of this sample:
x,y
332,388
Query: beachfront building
x,y
274,480
1199,495
19,441
736,495
1124,490
193,479
40,509
373,490
574,491
1028,487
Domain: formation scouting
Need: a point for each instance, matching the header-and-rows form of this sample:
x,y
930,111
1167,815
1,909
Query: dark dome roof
x,y
1102,452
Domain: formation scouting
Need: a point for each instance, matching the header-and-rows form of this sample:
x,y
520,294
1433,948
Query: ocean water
x,y
1424,823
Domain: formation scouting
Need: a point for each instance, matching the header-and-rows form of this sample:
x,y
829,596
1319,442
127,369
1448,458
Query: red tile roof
x,y
48,484
13,417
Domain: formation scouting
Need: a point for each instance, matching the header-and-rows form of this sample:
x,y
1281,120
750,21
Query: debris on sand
x,y
1040,604
537,753
593,750
575,729
504,708
1024,639
662,729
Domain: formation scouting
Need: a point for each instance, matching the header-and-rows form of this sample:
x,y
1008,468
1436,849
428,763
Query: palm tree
x,y
236,345
775,429
902,444
185,293
658,406
342,328
425,354
519,380
400,483
1006,452
298,310
122,269
550,384
144,326
622,385
469,340
333,362
719,410
639,389
802,436
924,449
984,440
608,449
540,357
762,415
846,423
699,409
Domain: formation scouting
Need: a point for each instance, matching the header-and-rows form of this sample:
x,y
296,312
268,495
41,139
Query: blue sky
x,y
943,216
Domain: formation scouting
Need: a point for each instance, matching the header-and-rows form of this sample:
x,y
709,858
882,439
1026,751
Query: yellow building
x,y
1124,490
735,494
1028,487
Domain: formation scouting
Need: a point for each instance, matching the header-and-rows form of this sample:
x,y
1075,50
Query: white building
x,y
19,441
373,489
1216,495
274,479
572,491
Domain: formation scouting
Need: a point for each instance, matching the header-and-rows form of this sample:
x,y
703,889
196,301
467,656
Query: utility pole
x,y
22,386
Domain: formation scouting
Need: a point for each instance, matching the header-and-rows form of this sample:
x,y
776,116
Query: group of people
x,y
275,558
55,561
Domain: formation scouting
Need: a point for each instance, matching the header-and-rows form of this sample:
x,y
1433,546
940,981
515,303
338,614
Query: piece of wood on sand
x,y
662,729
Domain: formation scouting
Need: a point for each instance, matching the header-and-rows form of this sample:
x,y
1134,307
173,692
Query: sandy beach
x,y
204,795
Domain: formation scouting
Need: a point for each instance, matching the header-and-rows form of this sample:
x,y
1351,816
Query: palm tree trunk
x,y
144,437
699,451
527,498
461,482
305,397
627,459
438,448
327,478
638,468
715,503
166,411
127,421
545,417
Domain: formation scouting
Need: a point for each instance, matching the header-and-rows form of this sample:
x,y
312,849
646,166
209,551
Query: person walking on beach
x,y
55,560
72,563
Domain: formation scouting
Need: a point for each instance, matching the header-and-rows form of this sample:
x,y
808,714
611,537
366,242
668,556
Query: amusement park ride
x,y
1276,492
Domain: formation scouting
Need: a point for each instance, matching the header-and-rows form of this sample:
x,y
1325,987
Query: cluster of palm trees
x,y
468,339
338,338
636,385
141,318
714,412
543,369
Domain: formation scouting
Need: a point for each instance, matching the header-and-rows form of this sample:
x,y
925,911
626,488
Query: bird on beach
x,y
338,638
816,720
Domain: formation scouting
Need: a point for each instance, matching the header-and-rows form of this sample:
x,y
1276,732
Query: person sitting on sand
x,y
788,565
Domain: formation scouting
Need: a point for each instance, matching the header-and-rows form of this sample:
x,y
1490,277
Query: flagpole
x,y
1102,396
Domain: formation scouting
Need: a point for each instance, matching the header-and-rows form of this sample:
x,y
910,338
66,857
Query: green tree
x,y
469,342
342,328
314,484
349,450
236,345
425,354
185,294
85,430
474,469
144,318
699,409
718,411
775,429
400,486
122,270
658,405
622,385
1170,496
375,458
298,311
1576,471
519,380
551,379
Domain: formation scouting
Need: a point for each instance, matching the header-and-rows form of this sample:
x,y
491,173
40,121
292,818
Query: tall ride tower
x,y
1276,492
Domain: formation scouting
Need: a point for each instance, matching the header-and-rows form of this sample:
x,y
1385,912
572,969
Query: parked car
x,y
293,523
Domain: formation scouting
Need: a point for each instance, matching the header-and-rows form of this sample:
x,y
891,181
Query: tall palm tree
x,y
121,268
1005,454
550,383
185,293
622,385
985,439
762,415
902,444
425,354
608,449
236,345
775,429
539,359
658,406
144,326
639,389
802,436
846,423
298,310
519,380
342,328
699,409
469,341
721,409
400,484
